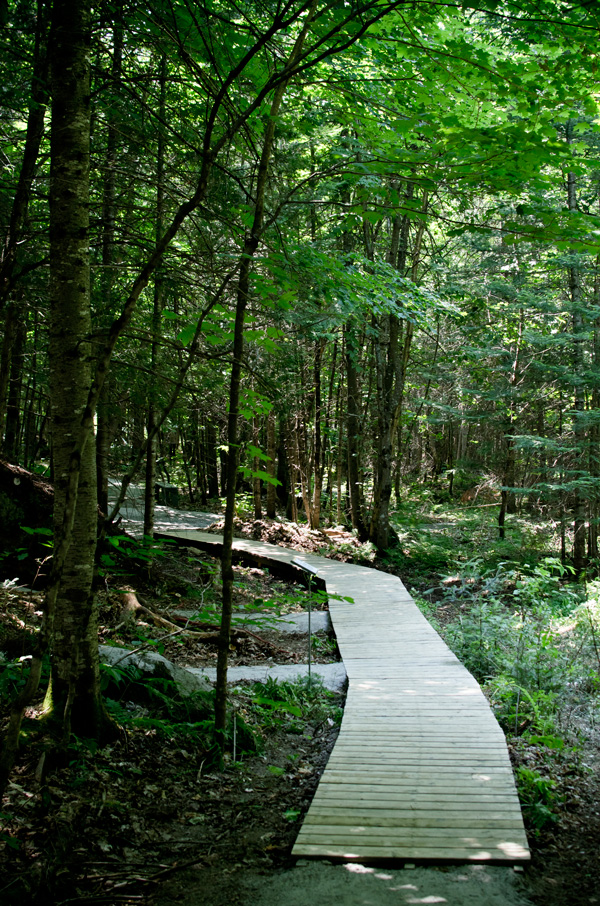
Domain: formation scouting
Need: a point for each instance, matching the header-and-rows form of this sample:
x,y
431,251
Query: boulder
x,y
153,664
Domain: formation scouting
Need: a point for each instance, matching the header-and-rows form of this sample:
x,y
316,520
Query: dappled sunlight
x,y
430,899
358,869
513,850
454,886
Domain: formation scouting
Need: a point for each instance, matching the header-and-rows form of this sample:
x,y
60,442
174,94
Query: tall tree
x,y
74,690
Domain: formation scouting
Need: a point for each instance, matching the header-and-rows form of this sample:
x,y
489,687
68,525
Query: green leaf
x,y
257,453
188,333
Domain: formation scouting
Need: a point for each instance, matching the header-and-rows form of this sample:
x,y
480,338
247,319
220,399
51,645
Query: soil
x,y
150,818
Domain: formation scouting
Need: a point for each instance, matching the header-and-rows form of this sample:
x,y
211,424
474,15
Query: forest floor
x,y
151,819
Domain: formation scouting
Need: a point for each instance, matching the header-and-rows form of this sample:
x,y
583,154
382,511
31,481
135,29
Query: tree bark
x,y
392,349
319,463
73,697
250,246
579,504
105,420
156,314
11,325
33,138
14,415
508,499
353,435
256,482
594,449
271,466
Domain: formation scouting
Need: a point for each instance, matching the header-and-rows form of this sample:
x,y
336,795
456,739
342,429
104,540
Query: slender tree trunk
x,y
315,517
250,247
105,417
339,456
303,466
594,453
579,505
392,349
150,481
32,399
33,137
256,483
508,500
14,414
287,464
11,326
271,466
353,434
212,468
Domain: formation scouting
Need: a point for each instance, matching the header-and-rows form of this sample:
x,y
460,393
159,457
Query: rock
x,y
153,664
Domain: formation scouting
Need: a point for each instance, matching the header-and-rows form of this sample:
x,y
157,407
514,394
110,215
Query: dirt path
x,y
348,885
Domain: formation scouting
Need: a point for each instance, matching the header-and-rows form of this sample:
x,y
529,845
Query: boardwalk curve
x,y
420,771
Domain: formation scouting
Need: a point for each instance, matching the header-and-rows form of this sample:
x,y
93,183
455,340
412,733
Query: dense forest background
x,y
300,256
420,232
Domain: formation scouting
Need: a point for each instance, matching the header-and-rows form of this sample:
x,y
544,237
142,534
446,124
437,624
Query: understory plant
x,y
539,797
290,705
526,635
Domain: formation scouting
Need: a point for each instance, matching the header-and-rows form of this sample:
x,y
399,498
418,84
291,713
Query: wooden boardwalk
x,y
420,771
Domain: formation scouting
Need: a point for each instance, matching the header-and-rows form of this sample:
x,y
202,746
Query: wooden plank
x,y
402,818
420,770
378,836
373,758
421,778
422,798
437,852
404,813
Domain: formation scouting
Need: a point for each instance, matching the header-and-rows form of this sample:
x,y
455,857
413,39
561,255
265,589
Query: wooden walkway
x,y
420,771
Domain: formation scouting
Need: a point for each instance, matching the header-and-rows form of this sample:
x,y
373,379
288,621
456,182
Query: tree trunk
x,y
212,470
508,500
594,452
105,419
150,481
319,464
303,466
579,504
11,326
14,415
271,466
392,349
250,246
73,697
353,434
256,483
33,138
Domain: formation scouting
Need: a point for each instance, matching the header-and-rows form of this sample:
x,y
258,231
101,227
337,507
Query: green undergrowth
x,y
140,702
155,705
513,615
290,705
436,538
